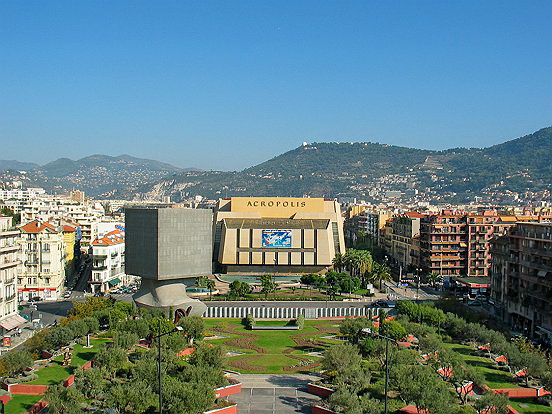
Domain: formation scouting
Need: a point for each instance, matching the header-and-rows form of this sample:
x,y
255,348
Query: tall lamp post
x,y
158,337
418,284
370,332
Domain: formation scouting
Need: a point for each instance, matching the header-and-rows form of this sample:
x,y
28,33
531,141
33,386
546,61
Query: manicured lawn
x,y
21,403
271,352
57,373
527,406
495,378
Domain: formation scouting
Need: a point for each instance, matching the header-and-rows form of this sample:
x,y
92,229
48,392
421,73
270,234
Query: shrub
x,y
249,321
16,362
300,322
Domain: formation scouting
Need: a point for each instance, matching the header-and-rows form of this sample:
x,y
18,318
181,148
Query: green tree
x,y
462,375
202,373
208,356
239,289
79,327
124,340
417,385
210,284
193,327
352,328
339,358
14,363
59,337
268,285
187,398
338,261
90,383
380,273
63,400
132,397
392,329
433,278
111,359
498,403
430,343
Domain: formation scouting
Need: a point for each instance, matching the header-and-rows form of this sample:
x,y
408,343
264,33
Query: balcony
x,y
102,267
12,248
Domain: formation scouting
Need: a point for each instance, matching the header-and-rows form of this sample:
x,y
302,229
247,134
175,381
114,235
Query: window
x,y
34,280
29,281
47,280
46,270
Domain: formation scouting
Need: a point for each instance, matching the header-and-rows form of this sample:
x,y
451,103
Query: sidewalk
x,y
26,333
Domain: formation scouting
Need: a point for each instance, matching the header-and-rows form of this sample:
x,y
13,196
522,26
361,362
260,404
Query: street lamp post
x,y
370,332
418,271
158,337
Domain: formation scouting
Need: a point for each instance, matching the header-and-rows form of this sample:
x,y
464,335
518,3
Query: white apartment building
x,y
51,208
42,269
16,198
9,318
108,268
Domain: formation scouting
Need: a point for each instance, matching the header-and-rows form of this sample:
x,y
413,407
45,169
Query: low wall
x,y
38,407
231,389
319,390
231,409
274,328
70,380
522,392
318,409
27,389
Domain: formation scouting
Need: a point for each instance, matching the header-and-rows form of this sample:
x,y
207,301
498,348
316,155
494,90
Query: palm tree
x,y
338,261
433,278
380,273
210,284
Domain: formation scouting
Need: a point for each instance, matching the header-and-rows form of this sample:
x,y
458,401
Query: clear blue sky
x,y
227,84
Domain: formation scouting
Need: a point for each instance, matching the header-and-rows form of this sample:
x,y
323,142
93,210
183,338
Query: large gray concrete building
x,y
168,248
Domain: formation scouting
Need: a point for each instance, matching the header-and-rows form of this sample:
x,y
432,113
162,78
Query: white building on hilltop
x,y
108,269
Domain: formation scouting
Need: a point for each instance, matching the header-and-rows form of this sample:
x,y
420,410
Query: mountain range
x,y
329,169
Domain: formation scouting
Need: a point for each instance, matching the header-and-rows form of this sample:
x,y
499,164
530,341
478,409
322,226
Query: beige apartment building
x,y
277,234
42,269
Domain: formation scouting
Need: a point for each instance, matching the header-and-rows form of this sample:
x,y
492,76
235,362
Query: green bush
x,y
300,322
249,321
16,362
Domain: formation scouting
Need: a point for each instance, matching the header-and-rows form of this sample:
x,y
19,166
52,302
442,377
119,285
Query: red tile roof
x,y
68,229
37,227
413,214
110,239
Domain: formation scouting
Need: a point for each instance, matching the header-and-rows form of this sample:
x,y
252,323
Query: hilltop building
x,y
277,234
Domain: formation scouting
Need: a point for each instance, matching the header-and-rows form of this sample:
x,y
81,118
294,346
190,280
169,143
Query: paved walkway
x,y
274,401
274,394
274,381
